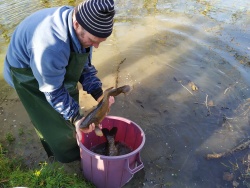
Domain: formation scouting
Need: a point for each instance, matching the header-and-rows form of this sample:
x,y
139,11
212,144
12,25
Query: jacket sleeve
x,y
90,82
63,103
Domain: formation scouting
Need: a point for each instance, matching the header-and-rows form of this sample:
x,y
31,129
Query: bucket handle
x,y
138,167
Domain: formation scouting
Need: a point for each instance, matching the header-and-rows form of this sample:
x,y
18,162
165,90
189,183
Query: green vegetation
x,y
9,137
13,173
20,131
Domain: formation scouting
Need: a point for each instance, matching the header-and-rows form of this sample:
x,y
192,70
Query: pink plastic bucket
x,y
112,171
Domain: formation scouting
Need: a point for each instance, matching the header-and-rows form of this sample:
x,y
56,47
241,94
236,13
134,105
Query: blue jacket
x,y
42,42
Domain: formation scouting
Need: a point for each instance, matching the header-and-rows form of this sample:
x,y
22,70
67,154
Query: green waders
x,y
56,134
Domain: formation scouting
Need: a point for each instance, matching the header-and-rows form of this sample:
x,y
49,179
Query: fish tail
x,y
105,131
113,131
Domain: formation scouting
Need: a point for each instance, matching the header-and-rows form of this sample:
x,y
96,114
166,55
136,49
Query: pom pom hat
x,y
96,16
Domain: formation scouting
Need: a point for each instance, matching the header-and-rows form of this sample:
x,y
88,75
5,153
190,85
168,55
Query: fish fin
x,y
108,111
107,90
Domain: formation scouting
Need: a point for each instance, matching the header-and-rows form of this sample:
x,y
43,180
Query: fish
x,y
102,109
240,147
111,148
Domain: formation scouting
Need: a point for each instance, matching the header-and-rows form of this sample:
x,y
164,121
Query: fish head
x,y
126,88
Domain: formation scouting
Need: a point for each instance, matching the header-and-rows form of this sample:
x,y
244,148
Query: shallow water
x,y
159,47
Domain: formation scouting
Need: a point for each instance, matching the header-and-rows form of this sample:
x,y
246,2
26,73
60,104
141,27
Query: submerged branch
x,y
240,147
117,72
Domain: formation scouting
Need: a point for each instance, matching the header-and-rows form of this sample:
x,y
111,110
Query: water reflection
x,y
166,45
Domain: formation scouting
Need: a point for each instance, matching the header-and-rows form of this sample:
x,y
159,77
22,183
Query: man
x,y
49,53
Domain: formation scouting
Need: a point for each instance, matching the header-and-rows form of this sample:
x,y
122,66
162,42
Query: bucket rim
x,y
137,150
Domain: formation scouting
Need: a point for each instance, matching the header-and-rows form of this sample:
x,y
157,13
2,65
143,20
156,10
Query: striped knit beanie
x,y
96,16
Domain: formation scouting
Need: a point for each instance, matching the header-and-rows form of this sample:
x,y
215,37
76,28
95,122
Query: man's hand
x,y
111,100
88,129
91,127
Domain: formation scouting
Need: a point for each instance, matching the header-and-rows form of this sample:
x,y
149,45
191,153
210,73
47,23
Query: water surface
x,y
159,47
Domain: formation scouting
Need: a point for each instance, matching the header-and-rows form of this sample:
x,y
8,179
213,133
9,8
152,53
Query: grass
x,y
9,137
13,173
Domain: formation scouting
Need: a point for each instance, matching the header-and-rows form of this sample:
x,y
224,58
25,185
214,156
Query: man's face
x,y
86,39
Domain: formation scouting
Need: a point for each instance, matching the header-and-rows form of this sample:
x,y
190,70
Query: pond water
x,y
159,47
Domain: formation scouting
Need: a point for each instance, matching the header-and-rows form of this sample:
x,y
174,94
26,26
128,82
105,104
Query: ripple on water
x,y
166,45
